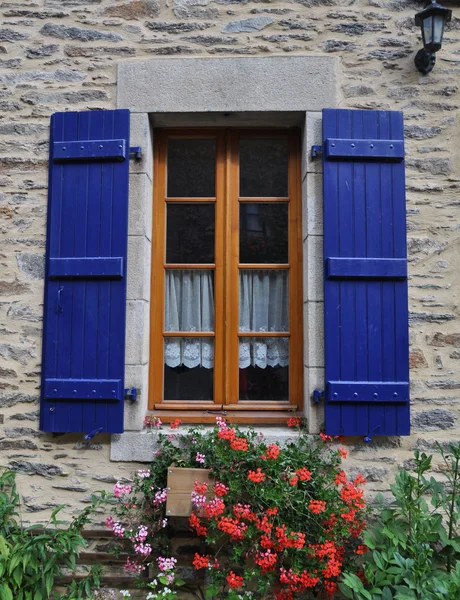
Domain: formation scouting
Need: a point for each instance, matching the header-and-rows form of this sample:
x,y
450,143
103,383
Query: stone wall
x,y
62,55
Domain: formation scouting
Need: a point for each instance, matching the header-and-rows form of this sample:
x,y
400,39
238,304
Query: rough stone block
x,y
247,25
312,204
433,420
314,137
228,84
139,253
132,446
141,135
313,379
137,332
140,205
314,334
136,376
313,269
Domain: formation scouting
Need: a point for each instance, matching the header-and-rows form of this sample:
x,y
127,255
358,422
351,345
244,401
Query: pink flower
x,y
141,534
109,522
132,567
200,458
221,423
120,490
198,500
143,549
118,529
151,421
166,564
160,497
143,474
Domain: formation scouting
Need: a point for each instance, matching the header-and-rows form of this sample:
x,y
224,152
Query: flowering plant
x,y
278,521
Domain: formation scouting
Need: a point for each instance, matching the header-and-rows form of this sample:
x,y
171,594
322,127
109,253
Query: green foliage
x,y
414,545
31,561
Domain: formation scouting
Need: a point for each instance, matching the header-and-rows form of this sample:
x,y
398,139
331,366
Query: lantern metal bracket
x,y
425,61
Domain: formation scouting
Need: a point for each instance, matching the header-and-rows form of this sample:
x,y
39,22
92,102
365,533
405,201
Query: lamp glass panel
x,y
427,31
438,29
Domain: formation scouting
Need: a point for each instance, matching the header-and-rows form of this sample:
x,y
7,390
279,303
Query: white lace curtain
x,y
189,306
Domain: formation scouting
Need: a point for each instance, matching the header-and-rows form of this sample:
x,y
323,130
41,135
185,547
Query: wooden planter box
x,y
180,486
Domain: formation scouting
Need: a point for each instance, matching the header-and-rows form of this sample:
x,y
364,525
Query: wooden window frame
x,y
226,283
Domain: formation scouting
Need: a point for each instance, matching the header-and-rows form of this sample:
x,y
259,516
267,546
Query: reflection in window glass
x,y
189,369
190,233
271,383
263,167
263,232
191,168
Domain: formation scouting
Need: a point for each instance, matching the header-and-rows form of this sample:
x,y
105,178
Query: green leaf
x,y
5,592
378,559
3,547
386,594
346,591
211,591
17,576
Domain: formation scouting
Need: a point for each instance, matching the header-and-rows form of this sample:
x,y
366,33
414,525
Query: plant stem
x,y
452,509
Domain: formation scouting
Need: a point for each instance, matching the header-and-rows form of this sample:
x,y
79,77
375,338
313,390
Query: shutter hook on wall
x,y
59,306
91,434
137,151
368,439
317,395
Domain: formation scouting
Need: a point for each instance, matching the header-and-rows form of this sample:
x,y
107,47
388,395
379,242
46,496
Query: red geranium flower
x,y
234,581
256,477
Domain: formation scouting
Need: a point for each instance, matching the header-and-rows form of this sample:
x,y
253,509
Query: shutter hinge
x,y
315,150
131,394
317,395
91,434
137,151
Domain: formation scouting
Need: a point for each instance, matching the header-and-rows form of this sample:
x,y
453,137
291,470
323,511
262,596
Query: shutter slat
x,y
84,336
366,339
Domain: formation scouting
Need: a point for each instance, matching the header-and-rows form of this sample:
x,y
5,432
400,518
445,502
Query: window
x,y
226,321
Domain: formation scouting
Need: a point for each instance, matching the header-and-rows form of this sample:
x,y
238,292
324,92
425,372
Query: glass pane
x,y
263,232
191,168
264,300
427,30
189,300
264,368
189,369
190,233
263,167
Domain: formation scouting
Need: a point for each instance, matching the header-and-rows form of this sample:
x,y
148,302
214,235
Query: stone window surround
x,y
277,91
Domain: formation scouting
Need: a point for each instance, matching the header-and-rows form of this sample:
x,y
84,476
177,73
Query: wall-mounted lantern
x,y
432,21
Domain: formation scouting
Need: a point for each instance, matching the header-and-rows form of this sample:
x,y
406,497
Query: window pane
x,y
263,232
191,168
190,233
189,369
264,368
264,300
263,167
189,300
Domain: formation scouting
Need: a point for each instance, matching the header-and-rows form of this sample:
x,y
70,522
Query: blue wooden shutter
x,y
85,285
366,312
